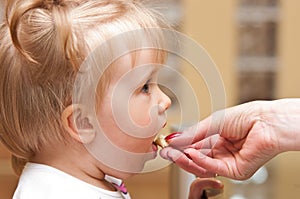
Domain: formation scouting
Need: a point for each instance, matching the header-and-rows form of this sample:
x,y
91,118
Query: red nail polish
x,y
172,135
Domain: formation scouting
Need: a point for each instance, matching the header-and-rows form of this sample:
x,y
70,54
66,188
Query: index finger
x,y
210,126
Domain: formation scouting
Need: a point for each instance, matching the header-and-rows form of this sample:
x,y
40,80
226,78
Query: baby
x,y
79,100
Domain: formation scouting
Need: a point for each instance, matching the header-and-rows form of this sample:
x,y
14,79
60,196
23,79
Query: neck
x,y
76,162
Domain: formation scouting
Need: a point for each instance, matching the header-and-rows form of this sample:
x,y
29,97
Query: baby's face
x,y
133,109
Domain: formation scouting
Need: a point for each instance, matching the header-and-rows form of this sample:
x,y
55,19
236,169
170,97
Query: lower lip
x,y
154,147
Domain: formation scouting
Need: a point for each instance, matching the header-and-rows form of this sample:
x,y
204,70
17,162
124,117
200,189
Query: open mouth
x,y
154,146
163,141
160,141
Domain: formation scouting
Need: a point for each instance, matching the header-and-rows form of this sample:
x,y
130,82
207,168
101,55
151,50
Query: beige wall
x,y
212,25
289,50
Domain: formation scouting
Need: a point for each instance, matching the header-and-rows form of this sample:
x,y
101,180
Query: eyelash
x,y
146,88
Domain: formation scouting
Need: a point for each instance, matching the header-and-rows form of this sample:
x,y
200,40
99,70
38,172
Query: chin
x,y
138,168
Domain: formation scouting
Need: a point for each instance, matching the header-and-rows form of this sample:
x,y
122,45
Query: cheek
x,y
144,117
119,125
124,140
140,112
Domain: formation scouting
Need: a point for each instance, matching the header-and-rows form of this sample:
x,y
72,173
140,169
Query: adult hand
x,y
237,141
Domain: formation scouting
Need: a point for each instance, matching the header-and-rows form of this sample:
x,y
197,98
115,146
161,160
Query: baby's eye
x,y
146,88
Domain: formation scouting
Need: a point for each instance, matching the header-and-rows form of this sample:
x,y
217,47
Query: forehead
x,y
147,60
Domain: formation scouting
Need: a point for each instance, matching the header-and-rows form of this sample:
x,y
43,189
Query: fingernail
x,y
172,135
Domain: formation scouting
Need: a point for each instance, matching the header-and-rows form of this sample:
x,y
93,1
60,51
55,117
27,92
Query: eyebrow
x,y
150,73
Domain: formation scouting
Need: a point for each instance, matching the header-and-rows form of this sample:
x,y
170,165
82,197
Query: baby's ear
x,y
77,124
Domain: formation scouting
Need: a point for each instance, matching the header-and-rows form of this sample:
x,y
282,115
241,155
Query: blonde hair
x,y
42,44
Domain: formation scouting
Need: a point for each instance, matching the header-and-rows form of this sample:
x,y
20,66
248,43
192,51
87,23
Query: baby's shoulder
x,y
42,181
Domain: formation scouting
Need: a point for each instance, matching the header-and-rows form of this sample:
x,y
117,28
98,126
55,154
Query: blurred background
x,y
255,45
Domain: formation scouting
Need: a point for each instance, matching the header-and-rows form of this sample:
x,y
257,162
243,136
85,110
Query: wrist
x,y
263,119
284,120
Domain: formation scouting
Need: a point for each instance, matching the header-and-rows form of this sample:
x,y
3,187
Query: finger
x,y
184,162
205,162
207,127
164,153
190,134
207,143
214,186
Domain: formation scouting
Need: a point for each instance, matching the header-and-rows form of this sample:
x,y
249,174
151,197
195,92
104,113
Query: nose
x,y
164,102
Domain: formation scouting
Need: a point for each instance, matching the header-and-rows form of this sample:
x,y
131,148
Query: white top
x,y
40,181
